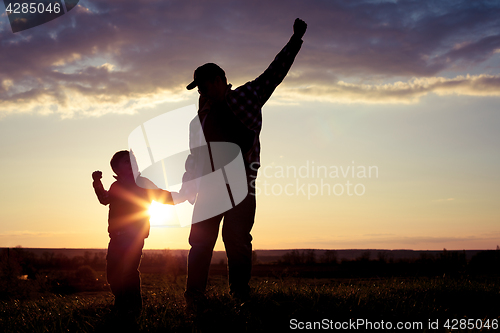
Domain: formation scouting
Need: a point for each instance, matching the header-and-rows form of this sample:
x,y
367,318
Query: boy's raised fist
x,y
96,175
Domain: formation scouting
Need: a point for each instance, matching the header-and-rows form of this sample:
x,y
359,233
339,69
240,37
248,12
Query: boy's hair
x,y
117,157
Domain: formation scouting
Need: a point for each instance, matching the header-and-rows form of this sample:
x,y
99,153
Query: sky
x,y
384,134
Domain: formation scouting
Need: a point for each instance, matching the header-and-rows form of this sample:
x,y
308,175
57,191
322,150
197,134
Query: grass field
x,y
277,304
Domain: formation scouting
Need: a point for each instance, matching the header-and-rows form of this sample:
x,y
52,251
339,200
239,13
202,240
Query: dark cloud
x,y
106,53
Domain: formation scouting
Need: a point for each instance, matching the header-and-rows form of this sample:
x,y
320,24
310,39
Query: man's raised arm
x,y
267,82
256,93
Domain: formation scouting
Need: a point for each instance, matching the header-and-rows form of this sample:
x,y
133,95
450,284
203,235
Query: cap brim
x,y
192,85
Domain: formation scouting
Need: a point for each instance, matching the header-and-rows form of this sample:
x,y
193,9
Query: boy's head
x,y
121,164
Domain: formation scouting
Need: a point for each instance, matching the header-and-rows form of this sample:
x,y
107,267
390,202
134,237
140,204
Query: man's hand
x,y
96,175
299,28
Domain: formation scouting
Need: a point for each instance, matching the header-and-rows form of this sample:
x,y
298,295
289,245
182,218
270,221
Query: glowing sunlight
x,y
160,214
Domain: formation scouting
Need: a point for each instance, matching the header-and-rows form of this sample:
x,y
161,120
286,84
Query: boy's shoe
x,y
122,320
134,314
127,325
127,310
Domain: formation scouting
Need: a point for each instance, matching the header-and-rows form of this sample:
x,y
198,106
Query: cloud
x,y
392,241
122,56
456,241
28,233
444,200
398,92
416,240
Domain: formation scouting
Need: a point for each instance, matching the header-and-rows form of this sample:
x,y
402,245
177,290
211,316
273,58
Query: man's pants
x,y
236,228
122,272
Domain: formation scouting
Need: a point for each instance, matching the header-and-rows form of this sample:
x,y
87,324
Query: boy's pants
x,y
122,271
238,223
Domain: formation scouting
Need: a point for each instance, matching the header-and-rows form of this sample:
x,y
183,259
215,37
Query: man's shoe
x,y
196,303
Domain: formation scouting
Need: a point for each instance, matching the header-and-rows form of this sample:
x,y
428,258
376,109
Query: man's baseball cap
x,y
206,72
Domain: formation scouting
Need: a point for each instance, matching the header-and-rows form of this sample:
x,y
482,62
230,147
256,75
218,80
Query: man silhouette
x,y
233,116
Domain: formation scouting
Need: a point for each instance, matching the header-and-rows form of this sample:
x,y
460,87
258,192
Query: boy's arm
x,y
101,193
162,196
154,192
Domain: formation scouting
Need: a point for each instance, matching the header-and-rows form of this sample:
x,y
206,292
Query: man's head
x,y
210,80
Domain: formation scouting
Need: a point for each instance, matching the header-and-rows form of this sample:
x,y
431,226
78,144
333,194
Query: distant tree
x,y
310,256
77,261
298,258
452,261
48,257
292,258
99,260
174,265
286,258
329,257
10,266
485,262
85,274
255,260
365,256
61,261
382,257
86,258
25,259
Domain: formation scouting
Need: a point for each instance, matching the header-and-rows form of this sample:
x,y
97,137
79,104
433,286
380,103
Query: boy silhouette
x,y
128,226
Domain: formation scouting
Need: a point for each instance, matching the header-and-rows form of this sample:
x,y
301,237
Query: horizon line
x,y
284,249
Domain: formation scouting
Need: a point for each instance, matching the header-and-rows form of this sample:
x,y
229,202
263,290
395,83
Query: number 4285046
x,y
462,324
38,8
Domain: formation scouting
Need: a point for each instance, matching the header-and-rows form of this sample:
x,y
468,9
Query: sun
x,y
160,214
